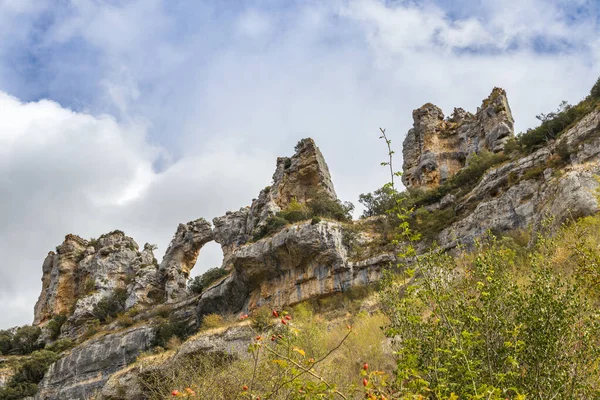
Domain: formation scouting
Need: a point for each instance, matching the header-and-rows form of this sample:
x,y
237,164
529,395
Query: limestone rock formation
x,y
87,368
437,148
304,260
300,262
125,384
181,256
505,200
302,177
82,272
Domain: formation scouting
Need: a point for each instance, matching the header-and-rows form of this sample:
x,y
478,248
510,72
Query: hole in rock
x,y
210,256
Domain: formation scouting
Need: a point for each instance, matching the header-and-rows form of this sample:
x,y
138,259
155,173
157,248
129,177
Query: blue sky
x,y
142,114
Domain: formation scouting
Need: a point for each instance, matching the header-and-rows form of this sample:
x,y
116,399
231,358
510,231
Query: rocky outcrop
x,y
307,259
127,383
526,192
60,287
436,148
82,272
181,257
87,368
303,177
303,261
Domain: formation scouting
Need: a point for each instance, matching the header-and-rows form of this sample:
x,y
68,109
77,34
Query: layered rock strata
x,y
436,148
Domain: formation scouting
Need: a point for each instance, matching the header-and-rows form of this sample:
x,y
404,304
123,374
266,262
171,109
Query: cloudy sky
x,y
141,114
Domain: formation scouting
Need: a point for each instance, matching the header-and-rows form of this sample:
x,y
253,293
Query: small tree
x,y
595,92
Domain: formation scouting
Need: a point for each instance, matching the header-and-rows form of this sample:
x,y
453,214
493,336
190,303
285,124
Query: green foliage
x,y
378,202
595,92
430,223
555,123
199,283
22,340
55,324
171,328
110,306
272,225
262,319
60,345
321,205
89,285
482,334
211,321
295,212
28,375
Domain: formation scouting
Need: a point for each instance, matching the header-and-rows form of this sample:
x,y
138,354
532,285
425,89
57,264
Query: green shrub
x,y
315,220
430,223
484,333
25,340
379,202
595,92
89,285
125,320
108,307
272,225
199,283
554,124
322,205
55,324
60,345
211,321
24,382
295,212
262,318
171,328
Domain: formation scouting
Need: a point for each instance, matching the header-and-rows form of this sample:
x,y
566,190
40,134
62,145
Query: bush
x,y
295,212
211,321
483,333
108,307
379,202
25,340
199,283
321,205
272,225
60,345
262,318
55,324
595,92
554,124
171,328
28,375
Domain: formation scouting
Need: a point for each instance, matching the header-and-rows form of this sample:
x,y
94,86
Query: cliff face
x,y
300,262
303,260
82,273
436,148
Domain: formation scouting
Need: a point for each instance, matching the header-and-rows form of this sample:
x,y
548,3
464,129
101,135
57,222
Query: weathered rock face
x,y
126,384
503,200
302,177
305,260
437,148
181,257
300,262
87,368
59,280
82,272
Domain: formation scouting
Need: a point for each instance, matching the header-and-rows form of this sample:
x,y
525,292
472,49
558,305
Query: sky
x,y
142,114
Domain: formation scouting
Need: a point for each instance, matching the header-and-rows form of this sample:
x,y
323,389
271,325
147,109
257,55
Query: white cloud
x,y
213,94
